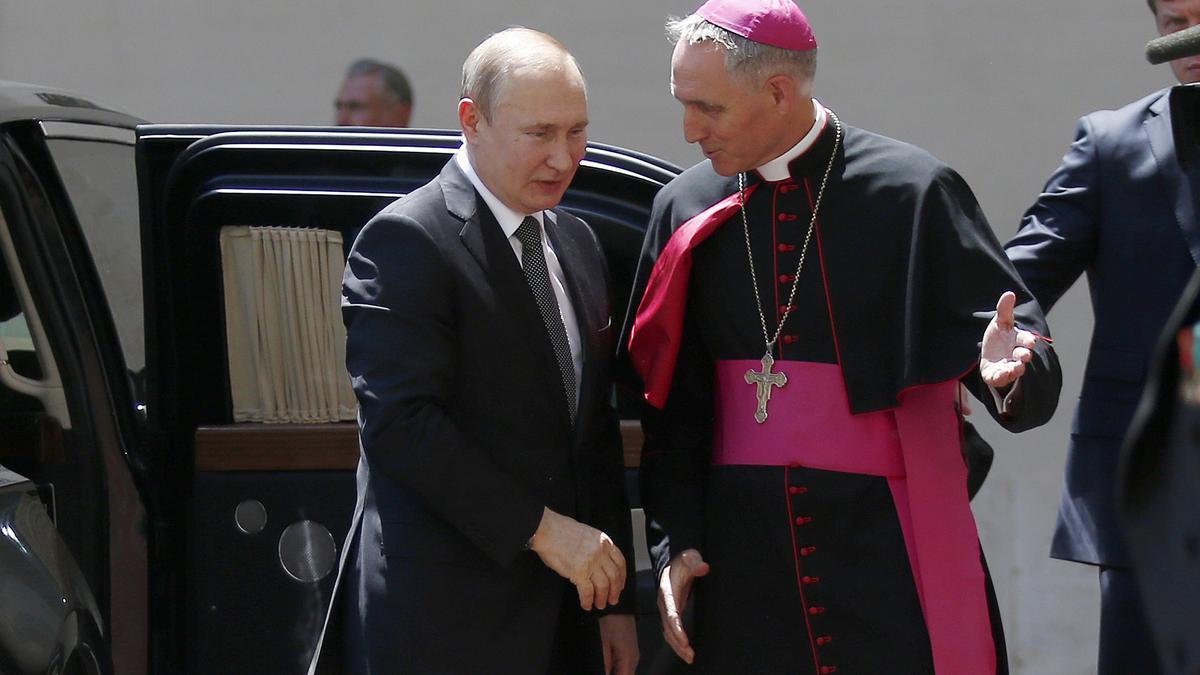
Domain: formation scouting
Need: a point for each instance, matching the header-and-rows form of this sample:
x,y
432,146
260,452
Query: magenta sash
x,y
916,446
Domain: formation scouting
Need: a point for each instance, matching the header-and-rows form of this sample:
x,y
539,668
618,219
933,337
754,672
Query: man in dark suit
x,y
1120,209
479,340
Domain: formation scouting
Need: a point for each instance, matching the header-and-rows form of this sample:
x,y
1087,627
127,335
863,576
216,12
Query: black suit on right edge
x,y
1160,474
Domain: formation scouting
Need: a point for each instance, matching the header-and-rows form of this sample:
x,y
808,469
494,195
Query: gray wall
x,y
991,87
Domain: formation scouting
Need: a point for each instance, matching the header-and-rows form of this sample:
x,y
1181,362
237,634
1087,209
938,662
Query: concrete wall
x,y
992,87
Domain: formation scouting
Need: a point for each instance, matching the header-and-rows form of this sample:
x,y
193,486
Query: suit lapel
x,y
1179,187
483,238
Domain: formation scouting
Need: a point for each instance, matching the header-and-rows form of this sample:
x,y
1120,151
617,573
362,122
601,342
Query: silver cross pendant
x,y
763,381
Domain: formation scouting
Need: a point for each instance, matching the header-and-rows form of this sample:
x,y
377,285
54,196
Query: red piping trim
x,y
837,348
796,560
1039,336
960,394
775,256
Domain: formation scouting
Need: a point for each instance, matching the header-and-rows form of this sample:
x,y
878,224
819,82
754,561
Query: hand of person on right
x,y
674,588
583,555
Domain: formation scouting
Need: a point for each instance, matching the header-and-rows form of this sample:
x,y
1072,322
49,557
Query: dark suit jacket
x,y
1160,472
1120,210
465,436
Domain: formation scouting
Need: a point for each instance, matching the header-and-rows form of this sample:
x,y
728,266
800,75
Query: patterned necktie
x,y
533,261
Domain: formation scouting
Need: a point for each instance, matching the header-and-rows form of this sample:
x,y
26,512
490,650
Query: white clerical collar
x,y
777,169
508,219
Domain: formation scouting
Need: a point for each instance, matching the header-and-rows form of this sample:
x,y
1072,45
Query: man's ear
x,y
783,90
469,118
405,113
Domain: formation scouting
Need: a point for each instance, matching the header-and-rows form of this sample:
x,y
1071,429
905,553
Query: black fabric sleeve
x,y
612,512
398,309
967,272
677,454
1059,234
611,503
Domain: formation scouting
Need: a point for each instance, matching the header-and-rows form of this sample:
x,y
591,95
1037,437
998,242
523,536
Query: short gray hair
x,y
744,58
395,82
501,53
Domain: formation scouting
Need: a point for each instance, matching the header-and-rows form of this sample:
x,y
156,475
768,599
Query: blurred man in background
x,y
373,94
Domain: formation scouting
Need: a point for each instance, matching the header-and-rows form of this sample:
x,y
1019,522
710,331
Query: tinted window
x,y
102,185
14,335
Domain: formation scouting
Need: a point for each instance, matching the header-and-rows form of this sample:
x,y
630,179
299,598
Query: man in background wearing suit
x,y
1120,209
490,485
373,94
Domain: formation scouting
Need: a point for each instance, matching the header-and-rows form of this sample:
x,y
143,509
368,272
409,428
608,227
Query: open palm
x,y
1006,349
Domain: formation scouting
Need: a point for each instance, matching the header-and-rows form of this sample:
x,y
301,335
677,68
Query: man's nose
x,y
559,158
694,129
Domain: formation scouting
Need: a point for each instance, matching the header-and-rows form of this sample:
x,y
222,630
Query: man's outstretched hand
x,y
583,555
1006,349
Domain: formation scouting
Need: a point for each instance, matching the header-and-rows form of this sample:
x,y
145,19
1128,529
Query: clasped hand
x,y
583,555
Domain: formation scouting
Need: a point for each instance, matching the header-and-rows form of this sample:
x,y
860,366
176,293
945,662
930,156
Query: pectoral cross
x,y
764,381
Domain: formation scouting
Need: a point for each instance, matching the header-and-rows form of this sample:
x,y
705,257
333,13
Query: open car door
x,y
73,482
244,234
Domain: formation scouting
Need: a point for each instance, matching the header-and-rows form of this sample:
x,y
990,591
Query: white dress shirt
x,y
509,221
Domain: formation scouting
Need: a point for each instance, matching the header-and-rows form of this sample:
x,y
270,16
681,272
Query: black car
x,y
161,510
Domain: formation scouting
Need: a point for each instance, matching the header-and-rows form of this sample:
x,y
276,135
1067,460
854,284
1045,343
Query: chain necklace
x,y
766,379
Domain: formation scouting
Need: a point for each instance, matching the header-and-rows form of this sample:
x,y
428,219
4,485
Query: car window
x,y
14,330
23,364
96,165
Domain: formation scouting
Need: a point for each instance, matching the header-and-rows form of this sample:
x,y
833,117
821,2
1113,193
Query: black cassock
x,y
810,570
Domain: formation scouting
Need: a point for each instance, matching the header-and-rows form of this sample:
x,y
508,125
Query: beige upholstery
x,y
283,326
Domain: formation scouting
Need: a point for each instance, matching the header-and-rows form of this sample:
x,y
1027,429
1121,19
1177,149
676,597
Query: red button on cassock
x,y
789,339
807,551
803,520
816,610
796,490
828,670
824,640
810,580
784,248
786,217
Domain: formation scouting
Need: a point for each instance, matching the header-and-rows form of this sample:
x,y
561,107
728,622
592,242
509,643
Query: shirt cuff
x,y
1003,404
